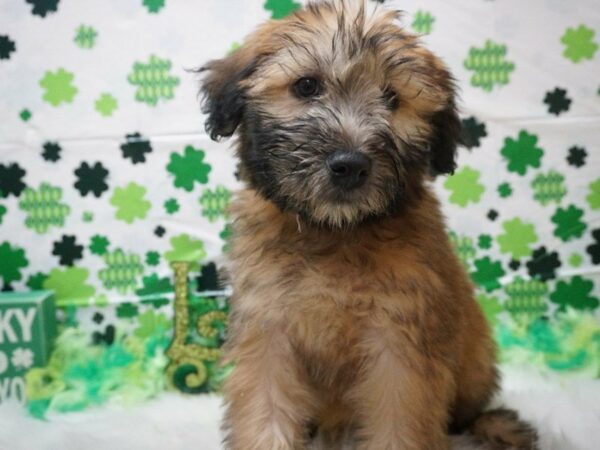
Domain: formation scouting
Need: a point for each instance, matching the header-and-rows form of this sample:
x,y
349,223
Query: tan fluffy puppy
x,y
351,315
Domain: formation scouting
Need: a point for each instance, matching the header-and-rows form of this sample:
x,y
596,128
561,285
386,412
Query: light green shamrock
x,y
186,249
593,198
106,104
464,186
150,323
491,307
58,87
69,286
517,238
130,202
579,43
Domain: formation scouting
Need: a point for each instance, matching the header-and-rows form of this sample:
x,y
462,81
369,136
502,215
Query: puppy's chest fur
x,y
328,291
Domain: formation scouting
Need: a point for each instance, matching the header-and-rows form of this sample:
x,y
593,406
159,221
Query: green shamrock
x,y
464,186
2,212
484,241
85,36
155,290
152,258
12,260
151,323
281,8
522,153
58,87
487,273
99,245
504,190
186,249
35,282
154,6
517,238
593,198
579,43
130,202
25,115
549,187
69,286
171,206
568,223
188,168
491,307
127,310
106,104
575,294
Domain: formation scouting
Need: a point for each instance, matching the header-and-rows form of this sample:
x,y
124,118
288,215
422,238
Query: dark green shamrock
x,y
11,180
557,101
576,156
67,250
7,46
91,179
135,148
51,151
542,264
472,131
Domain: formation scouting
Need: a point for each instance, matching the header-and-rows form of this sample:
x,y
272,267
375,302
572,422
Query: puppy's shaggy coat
x,y
351,316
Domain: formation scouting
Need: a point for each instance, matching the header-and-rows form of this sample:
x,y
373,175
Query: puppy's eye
x,y
306,87
391,99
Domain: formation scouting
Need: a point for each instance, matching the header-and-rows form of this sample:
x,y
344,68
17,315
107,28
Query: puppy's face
x,y
340,114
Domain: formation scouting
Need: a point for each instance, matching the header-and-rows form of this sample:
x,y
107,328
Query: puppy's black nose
x,y
348,169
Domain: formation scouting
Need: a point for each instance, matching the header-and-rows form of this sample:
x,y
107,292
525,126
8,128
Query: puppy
x,y
351,316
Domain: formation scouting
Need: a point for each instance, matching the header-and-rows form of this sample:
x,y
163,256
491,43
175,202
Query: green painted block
x,y
27,329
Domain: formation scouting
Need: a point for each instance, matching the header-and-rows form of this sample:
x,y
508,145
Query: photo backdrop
x,y
106,174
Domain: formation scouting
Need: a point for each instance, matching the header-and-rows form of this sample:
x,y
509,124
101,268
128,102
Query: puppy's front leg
x,y
268,405
402,398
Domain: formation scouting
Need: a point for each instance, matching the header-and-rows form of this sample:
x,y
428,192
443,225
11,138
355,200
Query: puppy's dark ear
x,y
223,96
445,139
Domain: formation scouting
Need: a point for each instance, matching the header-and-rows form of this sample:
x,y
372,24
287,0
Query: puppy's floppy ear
x,y
223,96
445,139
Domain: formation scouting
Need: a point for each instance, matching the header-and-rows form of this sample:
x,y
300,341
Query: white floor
x,y
566,412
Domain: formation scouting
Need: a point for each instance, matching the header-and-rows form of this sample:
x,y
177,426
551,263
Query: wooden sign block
x,y
27,329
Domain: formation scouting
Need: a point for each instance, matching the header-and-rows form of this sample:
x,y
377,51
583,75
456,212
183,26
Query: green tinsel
x,y
80,375
568,342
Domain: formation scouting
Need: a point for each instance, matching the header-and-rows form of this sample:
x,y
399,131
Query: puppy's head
x,y
340,114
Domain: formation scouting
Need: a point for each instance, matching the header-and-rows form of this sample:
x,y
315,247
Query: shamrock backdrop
x,y
106,174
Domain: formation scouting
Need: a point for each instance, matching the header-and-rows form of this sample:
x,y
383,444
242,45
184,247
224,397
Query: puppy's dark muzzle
x,y
348,169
